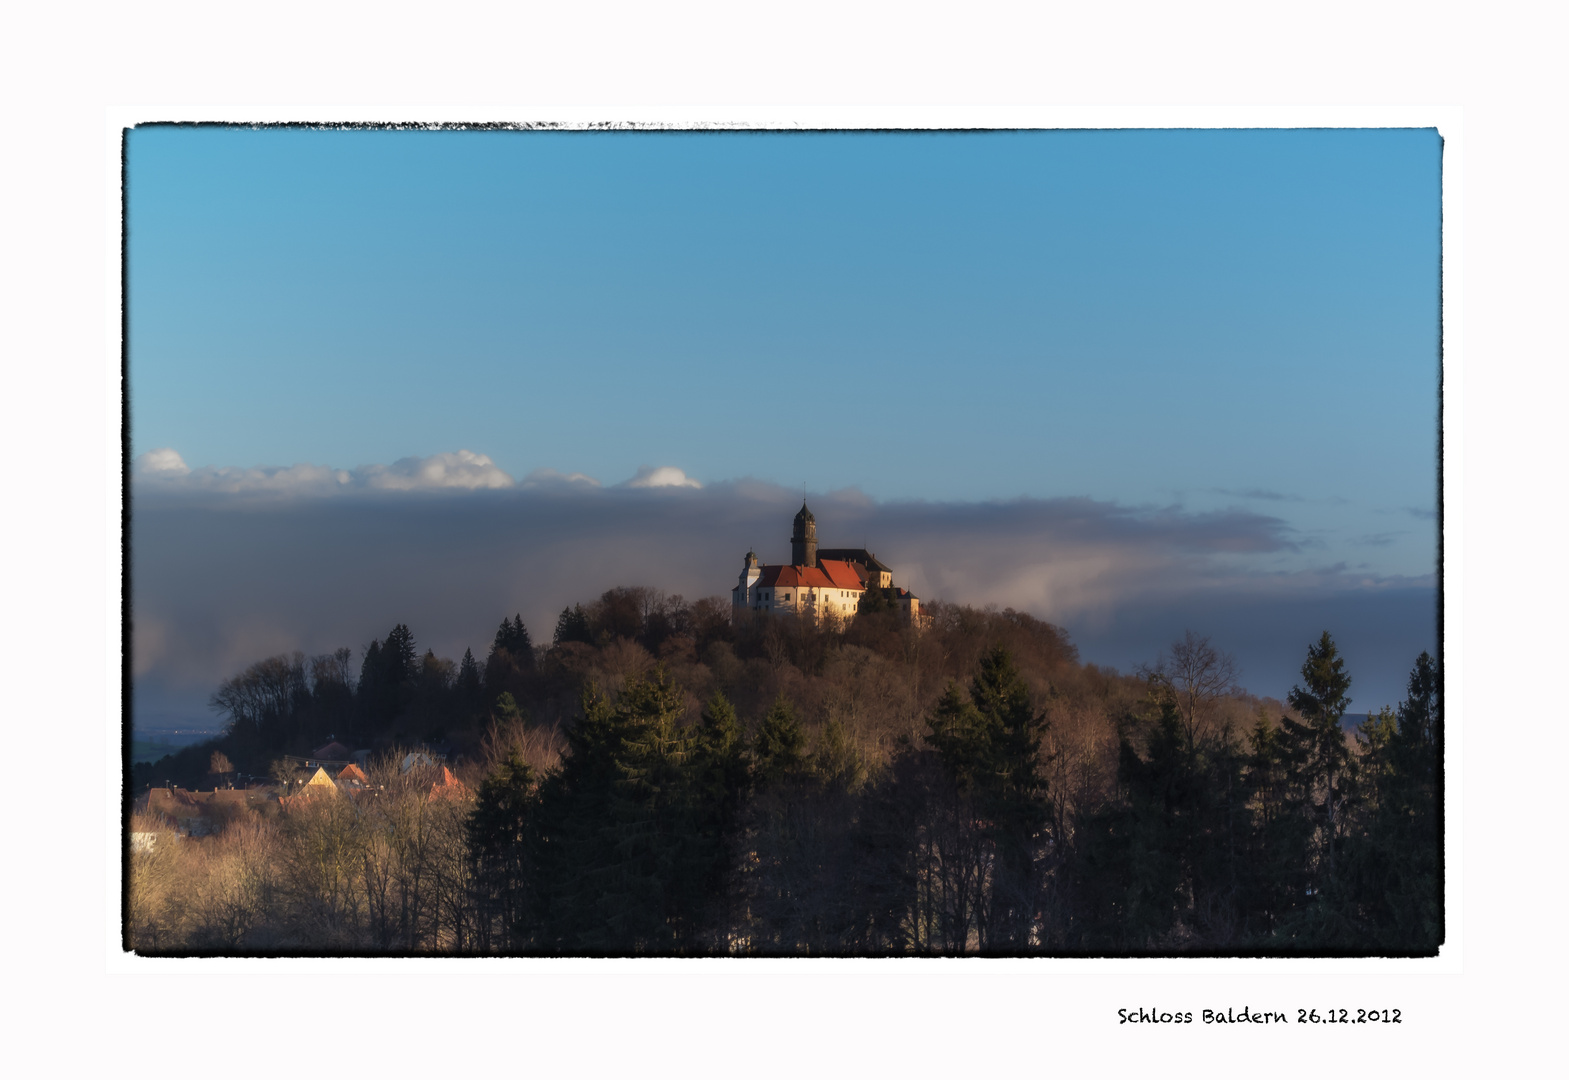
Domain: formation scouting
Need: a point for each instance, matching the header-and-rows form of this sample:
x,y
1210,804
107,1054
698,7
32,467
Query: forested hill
x,y
876,676
655,780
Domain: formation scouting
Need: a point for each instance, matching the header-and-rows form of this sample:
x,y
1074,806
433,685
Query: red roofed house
x,y
449,786
815,583
319,784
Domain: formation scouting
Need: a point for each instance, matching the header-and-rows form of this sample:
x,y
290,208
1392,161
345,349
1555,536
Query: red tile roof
x,y
841,575
352,772
854,555
449,786
832,575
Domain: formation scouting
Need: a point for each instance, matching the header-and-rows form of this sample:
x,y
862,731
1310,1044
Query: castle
x,y
818,581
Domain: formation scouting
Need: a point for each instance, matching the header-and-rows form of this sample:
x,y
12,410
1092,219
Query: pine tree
x,y
520,645
890,875
990,745
372,705
1414,813
1322,701
501,844
573,625
511,660
719,787
1280,829
1394,864
800,827
469,684
835,760
398,664
1160,828
779,751
388,678
371,678
513,640
620,867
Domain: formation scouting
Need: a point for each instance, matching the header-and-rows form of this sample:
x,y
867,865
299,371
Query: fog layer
x,y
225,573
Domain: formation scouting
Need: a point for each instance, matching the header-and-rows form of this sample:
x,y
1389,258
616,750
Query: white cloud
x,y
464,469
290,480
663,476
552,477
162,461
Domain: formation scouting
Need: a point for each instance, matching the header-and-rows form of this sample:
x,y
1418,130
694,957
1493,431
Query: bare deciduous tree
x,y
1197,674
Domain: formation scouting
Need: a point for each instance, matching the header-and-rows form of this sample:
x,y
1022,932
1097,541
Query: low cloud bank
x,y
165,470
224,572
663,476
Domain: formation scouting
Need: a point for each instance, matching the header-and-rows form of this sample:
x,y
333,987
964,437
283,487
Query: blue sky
x,y
1200,321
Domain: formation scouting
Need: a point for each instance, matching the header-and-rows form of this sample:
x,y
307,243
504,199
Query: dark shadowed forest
x,y
654,780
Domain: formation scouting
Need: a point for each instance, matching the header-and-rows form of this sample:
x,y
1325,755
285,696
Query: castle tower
x,y
749,575
803,540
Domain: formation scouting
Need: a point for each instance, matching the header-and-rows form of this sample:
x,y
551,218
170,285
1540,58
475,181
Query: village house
x,y
199,813
202,813
320,784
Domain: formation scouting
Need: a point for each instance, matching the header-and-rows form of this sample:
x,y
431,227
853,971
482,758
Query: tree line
x,y
659,782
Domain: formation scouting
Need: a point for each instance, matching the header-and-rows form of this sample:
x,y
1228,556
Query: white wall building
x,y
815,584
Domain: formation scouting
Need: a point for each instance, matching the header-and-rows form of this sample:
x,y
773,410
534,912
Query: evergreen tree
x,y
1413,817
507,711
522,647
433,672
1394,863
622,863
371,678
373,705
779,751
719,779
835,760
801,875
1131,861
500,836
1321,742
511,660
990,745
512,638
398,664
1281,828
573,625
469,685
877,600
890,868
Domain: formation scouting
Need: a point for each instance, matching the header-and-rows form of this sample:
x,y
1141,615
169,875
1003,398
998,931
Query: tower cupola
x,y
803,538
